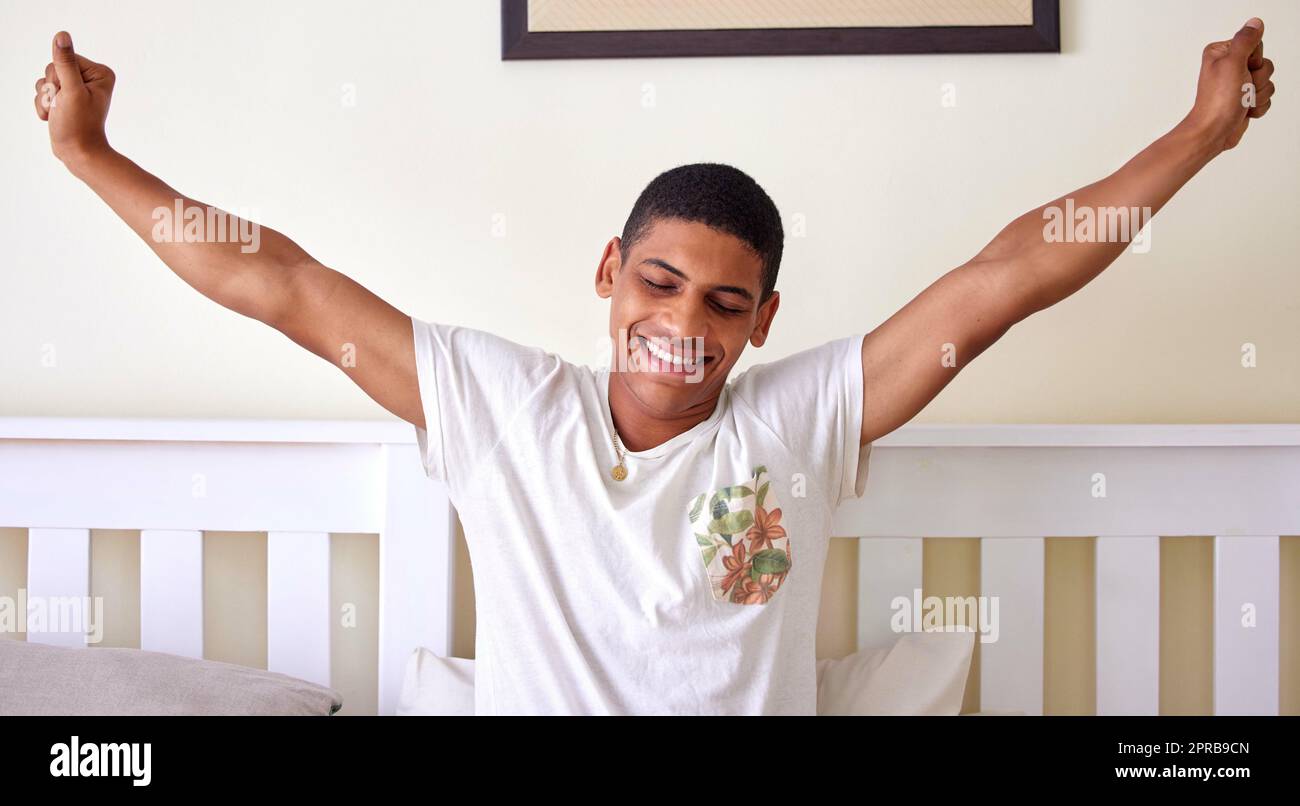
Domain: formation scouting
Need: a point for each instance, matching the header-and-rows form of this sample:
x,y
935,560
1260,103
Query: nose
x,y
688,318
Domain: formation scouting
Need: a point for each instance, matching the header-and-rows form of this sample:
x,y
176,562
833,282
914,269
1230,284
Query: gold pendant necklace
x,y
618,471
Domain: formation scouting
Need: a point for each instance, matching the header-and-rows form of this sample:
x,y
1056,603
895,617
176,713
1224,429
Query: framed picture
x,y
579,29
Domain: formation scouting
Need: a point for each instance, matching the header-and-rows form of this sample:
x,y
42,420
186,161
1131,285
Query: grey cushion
x,y
36,679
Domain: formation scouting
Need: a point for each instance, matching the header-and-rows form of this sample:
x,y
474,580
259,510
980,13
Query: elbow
x,y
1007,290
264,292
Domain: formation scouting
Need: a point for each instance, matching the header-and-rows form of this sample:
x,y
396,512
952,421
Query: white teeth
x,y
664,355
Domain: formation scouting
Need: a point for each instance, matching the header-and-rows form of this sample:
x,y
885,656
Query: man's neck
x,y
640,429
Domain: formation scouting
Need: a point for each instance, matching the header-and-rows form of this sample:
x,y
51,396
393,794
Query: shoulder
x,y
818,370
472,350
454,338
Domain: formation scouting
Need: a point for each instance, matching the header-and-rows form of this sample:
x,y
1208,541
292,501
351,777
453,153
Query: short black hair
x,y
720,196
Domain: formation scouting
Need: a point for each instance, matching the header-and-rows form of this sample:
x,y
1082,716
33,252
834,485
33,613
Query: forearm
x,y
1049,255
233,261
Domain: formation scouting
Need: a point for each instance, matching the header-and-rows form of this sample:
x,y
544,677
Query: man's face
x,y
686,291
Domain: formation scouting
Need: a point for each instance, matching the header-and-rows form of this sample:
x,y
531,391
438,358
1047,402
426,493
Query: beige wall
x,y
354,629
1289,646
1069,626
13,569
115,580
401,189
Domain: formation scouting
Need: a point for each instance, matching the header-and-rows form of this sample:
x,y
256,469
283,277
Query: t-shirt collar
x,y
689,435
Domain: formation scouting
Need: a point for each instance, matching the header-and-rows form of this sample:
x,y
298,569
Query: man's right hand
x,y
73,96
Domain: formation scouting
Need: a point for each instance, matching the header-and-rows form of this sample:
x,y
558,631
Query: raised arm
x,y
252,270
1033,263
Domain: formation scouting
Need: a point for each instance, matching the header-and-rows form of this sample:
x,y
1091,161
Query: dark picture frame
x,y
517,42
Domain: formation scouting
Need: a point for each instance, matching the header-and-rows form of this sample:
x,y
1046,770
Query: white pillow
x,y
435,686
921,674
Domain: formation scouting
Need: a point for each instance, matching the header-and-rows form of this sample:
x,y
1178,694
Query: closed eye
x,y
723,308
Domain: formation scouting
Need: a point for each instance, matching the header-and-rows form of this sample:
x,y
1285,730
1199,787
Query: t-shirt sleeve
x,y
812,401
472,384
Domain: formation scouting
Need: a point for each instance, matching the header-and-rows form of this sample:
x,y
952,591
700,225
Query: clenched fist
x,y
1235,86
73,96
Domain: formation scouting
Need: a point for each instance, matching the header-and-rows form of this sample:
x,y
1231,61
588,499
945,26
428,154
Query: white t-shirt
x,y
693,586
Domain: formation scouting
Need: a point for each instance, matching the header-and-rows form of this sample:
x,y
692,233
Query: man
x,y
650,537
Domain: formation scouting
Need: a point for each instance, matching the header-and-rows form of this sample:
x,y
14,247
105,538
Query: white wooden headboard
x,y
1011,486
296,480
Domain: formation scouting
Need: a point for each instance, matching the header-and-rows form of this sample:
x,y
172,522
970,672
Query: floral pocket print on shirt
x,y
745,548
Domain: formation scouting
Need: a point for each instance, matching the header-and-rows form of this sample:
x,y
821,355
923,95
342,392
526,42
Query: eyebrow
x,y
666,266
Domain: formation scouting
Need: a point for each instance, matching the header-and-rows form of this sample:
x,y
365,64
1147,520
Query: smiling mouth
x,y
656,357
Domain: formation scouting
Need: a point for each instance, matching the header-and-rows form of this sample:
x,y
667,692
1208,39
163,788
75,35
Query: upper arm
x,y
344,323
912,356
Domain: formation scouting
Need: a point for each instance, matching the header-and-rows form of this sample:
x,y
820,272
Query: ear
x,y
766,313
609,265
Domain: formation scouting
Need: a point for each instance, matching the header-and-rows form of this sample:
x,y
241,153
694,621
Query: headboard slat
x,y
171,591
1011,661
298,616
1246,627
58,585
1128,625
